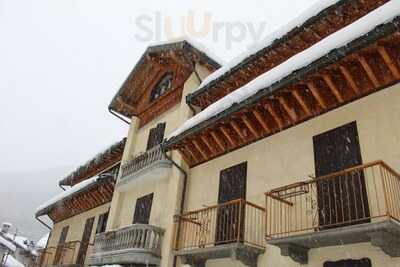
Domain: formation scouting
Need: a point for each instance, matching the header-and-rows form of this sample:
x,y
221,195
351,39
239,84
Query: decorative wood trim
x,y
217,140
333,88
388,61
349,79
302,103
250,125
261,120
368,70
315,92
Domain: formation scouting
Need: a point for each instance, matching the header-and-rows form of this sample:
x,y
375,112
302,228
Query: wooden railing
x,y
235,221
142,161
356,195
137,237
62,255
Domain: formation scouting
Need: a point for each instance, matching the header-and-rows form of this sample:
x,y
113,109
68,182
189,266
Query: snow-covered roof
x,y
17,240
188,50
42,241
199,46
7,244
82,186
101,161
383,14
12,262
299,20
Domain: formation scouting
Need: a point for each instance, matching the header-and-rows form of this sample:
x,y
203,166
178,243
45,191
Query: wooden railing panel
x,y
69,253
356,195
234,221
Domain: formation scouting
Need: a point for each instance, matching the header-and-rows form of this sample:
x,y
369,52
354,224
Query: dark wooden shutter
x,y
232,183
143,209
156,135
344,199
87,232
349,263
102,223
61,244
232,186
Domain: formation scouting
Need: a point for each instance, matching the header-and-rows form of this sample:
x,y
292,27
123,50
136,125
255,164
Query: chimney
x,y
5,227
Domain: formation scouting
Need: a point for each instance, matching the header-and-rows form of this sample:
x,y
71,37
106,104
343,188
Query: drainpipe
x,y
183,196
43,223
119,117
196,73
192,109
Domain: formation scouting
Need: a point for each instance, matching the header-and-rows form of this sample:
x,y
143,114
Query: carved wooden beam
x,y
218,140
228,136
185,156
349,79
261,120
274,115
368,70
315,92
389,62
192,153
203,153
207,142
237,129
332,86
250,125
301,101
290,111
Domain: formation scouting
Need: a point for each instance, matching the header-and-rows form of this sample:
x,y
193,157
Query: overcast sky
x,y
61,62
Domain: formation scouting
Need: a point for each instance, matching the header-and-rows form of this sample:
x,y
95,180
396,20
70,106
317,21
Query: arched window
x,y
162,87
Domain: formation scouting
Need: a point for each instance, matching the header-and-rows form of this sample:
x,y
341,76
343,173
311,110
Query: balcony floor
x,y
126,256
236,251
384,234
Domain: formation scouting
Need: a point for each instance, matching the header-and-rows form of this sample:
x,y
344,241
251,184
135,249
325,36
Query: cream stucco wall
x,y
281,159
287,157
167,191
76,226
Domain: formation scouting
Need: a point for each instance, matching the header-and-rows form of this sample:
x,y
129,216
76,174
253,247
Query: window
x,y
102,223
156,135
162,87
143,209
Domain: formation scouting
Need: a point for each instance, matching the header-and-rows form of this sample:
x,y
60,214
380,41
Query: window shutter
x,y
156,136
102,223
143,209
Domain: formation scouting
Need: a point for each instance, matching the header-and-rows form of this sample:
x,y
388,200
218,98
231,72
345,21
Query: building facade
x,y
81,211
287,158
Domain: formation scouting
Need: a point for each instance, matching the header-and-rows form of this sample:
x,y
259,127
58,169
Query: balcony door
x,y
343,200
232,186
143,209
87,232
156,136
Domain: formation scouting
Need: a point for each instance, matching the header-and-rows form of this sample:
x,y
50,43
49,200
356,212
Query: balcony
x,y
135,244
231,230
62,255
151,163
360,204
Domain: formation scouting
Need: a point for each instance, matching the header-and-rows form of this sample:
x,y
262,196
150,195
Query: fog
x,y
62,61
